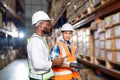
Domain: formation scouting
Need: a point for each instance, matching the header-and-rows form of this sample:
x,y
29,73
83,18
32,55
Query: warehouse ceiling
x,y
21,14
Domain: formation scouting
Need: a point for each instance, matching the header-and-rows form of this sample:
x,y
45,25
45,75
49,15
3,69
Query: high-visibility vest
x,y
45,76
65,73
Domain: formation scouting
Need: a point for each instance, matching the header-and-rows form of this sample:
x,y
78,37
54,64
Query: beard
x,y
47,31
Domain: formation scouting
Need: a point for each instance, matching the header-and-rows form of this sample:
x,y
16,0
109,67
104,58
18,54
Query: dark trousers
x,y
33,79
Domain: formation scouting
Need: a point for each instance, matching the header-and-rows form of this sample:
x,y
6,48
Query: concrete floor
x,y
17,70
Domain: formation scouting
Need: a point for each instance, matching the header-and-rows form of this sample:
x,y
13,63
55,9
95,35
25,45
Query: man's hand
x,y
57,62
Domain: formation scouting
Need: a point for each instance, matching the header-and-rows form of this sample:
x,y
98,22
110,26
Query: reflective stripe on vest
x,y
63,72
45,76
65,52
35,76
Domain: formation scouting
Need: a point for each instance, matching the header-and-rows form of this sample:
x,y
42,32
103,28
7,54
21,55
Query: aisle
x,y
16,70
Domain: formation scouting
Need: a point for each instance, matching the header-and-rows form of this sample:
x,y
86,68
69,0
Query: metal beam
x,y
59,16
12,12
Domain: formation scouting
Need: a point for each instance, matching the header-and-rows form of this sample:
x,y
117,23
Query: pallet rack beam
x,y
110,72
110,8
59,16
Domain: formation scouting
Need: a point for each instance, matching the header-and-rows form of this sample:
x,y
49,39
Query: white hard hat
x,y
67,27
39,16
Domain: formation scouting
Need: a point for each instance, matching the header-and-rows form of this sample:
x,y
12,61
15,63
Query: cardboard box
x,y
108,21
117,31
96,52
80,38
117,44
109,33
100,26
110,56
85,32
88,38
80,33
110,44
96,43
81,48
102,44
89,51
102,54
81,45
117,57
93,26
102,36
96,35
116,18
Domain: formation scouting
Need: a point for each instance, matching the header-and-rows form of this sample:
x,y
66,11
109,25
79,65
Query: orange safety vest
x,y
65,73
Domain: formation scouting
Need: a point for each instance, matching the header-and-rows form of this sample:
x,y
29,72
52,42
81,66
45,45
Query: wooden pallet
x,y
100,5
86,12
107,64
87,58
97,3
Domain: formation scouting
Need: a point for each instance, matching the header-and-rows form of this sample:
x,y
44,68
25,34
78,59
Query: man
x,y
38,49
64,49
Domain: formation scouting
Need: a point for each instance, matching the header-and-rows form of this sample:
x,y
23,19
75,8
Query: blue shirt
x,y
56,51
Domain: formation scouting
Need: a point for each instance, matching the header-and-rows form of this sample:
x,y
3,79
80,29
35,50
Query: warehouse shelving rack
x,y
100,12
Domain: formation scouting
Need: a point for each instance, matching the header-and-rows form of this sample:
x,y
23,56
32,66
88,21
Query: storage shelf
x,y
106,9
4,31
111,72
